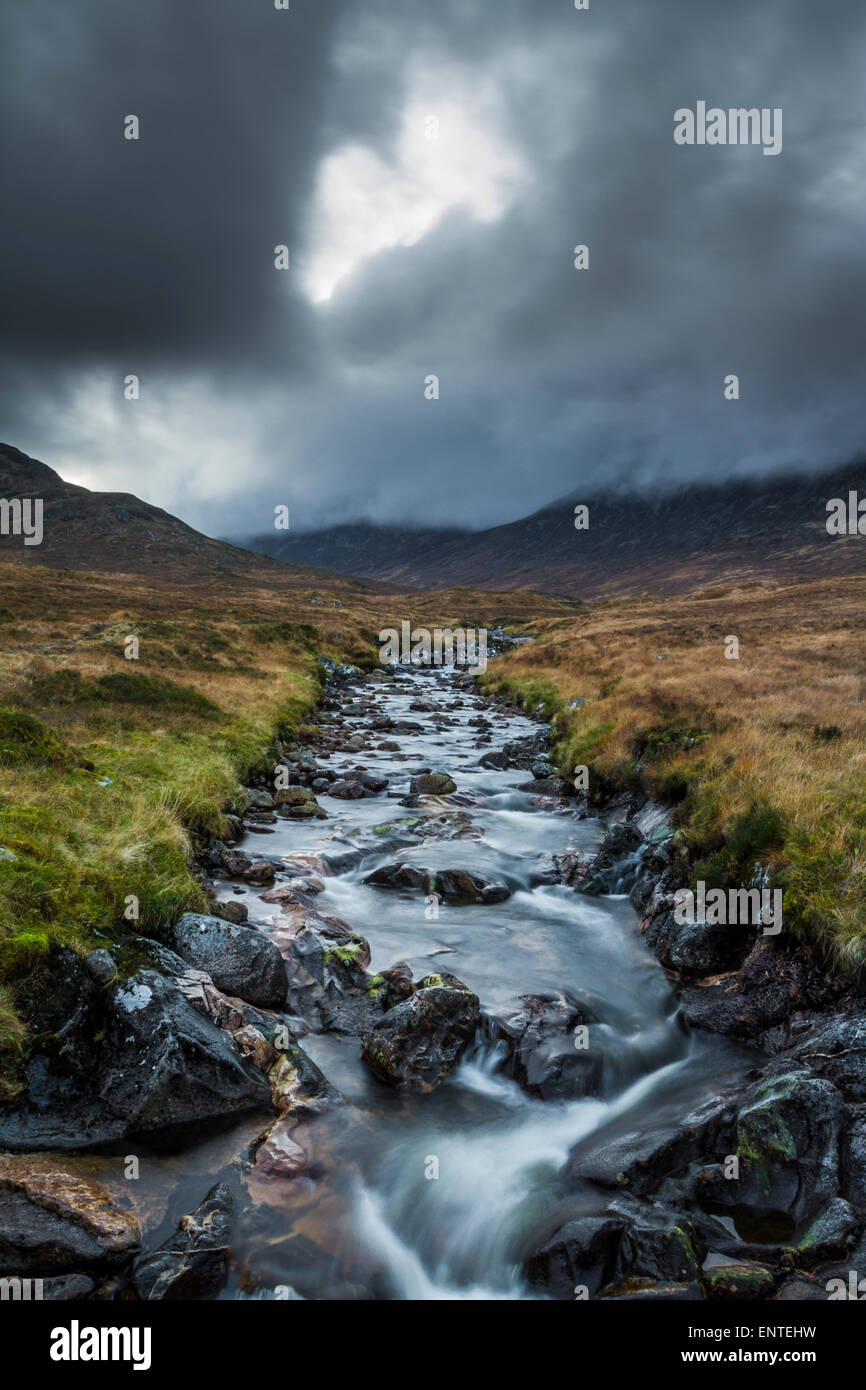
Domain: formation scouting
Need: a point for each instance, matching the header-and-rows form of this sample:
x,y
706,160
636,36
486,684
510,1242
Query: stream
x,y
441,1196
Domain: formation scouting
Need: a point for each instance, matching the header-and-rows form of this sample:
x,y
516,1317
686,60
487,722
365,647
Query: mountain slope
x,y
694,536
361,548
115,531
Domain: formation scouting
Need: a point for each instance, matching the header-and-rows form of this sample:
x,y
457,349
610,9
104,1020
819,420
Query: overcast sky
x,y
412,256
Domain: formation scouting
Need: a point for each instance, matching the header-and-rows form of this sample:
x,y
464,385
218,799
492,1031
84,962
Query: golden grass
x,y
109,767
777,735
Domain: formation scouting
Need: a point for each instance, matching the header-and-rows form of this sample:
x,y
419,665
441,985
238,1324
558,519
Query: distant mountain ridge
x,y
360,548
699,534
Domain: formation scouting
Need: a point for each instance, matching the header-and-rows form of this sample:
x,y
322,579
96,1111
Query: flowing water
x,y
442,1196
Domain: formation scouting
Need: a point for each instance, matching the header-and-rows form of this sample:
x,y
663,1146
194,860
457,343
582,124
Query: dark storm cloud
x,y
557,128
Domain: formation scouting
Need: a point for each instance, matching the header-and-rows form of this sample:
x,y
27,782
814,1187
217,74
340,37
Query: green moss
x,y
304,635
28,741
68,687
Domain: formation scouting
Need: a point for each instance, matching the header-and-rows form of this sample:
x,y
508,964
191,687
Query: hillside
x,y
673,543
360,548
117,532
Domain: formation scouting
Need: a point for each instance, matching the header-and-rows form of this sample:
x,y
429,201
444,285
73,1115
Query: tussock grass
x,y
109,768
764,756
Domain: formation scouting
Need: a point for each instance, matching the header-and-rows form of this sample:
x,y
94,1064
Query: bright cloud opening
x,y
365,204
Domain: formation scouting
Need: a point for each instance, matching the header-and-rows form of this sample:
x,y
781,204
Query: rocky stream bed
x,y
440,1037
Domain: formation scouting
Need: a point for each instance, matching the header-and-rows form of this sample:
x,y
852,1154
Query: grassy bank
x,y
110,767
763,755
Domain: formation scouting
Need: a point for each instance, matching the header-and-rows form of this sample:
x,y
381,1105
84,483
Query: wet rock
x,y
193,1262
602,872
328,980
644,1290
256,1046
766,990
853,1158
433,784
299,803
801,1289
419,1042
549,788
542,1055
155,1062
837,1051
235,863
168,1065
293,796
373,782
231,911
67,1288
640,1161
299,1087
497,762
787,1142
657,1244
455,885
239,959
262,871
738,1282
830,1236
696,948
53,1221
543,769
581,1255
447,825
101,966
348,789
398,983
278,1156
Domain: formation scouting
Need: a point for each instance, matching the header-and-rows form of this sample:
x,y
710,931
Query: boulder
x,y
53,1221
239,959
432,784
657,1244
853,1157
262,871
829,1236
328,980
582,1254
373,782
542,1056
455,885
100,964
420,1041
787,1142
193,1262
153,1062
348,789
167,1065
495,761
230,910
694,948
769,986
837,1051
